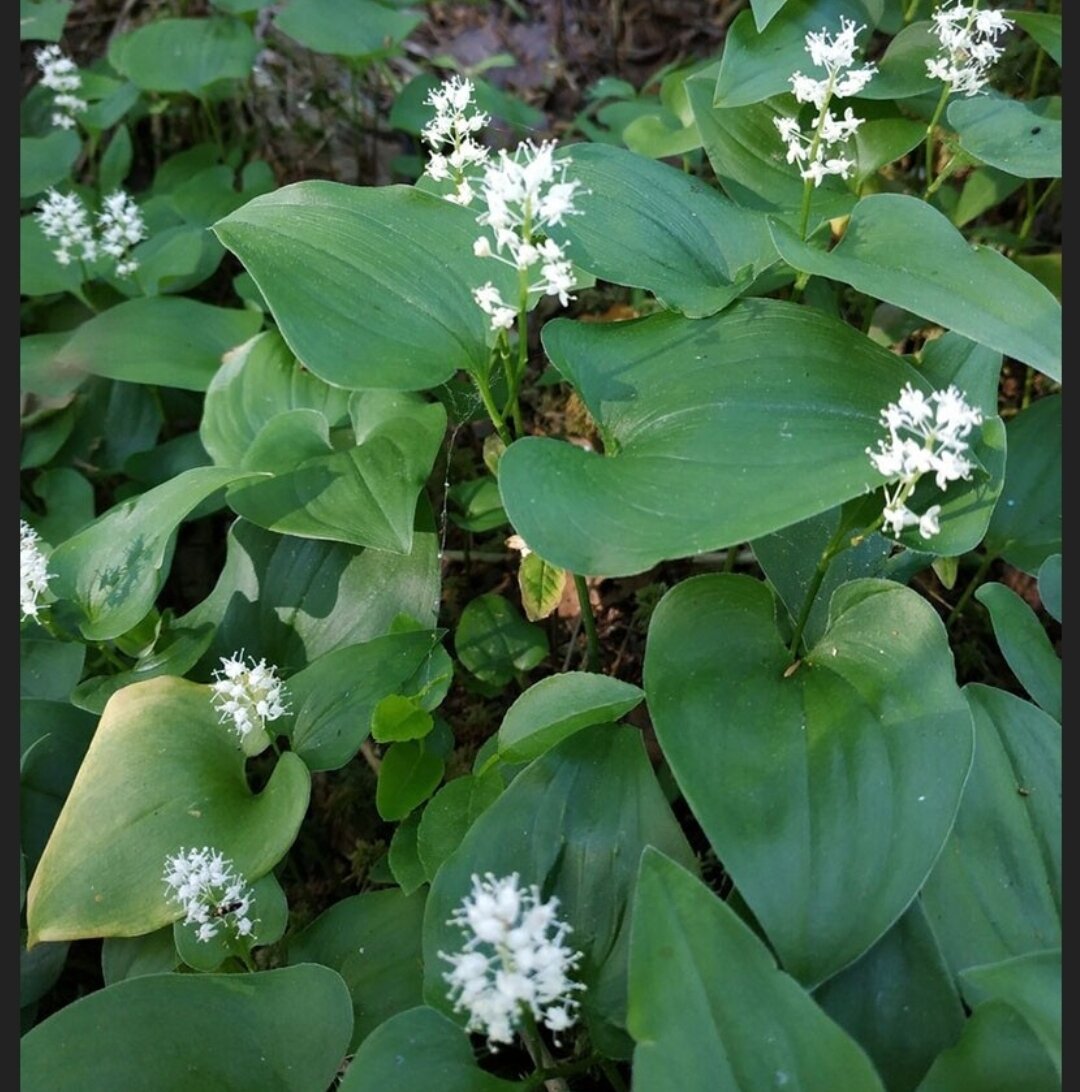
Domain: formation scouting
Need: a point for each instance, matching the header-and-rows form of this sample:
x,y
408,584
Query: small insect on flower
x,y
927,435
248,694
513,960
968,46
212,894
34,574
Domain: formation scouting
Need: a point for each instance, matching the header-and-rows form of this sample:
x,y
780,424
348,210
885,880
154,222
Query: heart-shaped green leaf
x,y
973,290
651,226
827,791
161,774
417,1049
574,822
316,248
898,1002
173,342
293,600
724,429
286,1030
995,892
114,568
559,706
709,1007
373,941
370,28
493,641
184,54
757,64
1023,138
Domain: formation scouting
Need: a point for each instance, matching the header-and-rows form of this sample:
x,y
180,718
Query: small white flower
x,y
968,46
210,892
122,226
513,959
248,694
61,75
927,435
63,217
811,149
453,125
34,575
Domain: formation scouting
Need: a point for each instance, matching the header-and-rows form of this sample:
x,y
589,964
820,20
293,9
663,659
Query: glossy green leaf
x,y
479,503
286,1030
901,70
176,259
881,141
49,668
39,970
334,699
952,360
403,856
110,109
321,485
574,822
984,188
494,642
373,941
996,890
710,1009
408,775
449,815
42,20
292,600
1023,138
651,226
747,154
114,568
398,718
756,64
184,54
828,790
765,10
169,341
1050,585
257,381
1026,525
559,706
367,29
1045,29
1025,645
162,773
973,290
1031,984
270,915
315,248
38,372
419,1048
44,161
776,402
116,160
131,957
898,1002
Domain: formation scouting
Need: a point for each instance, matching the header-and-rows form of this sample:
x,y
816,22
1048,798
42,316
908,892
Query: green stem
x,y
808,604
729,559
111,656
1033,210
1033,86
910,11
969,591
945,92
492,410
613,1076
1029,387
214,127
589,622
946,172
815,144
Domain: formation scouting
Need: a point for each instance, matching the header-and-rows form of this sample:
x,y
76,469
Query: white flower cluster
x,y
926,435
122,226
526,194
453,125
510,962
212,894
63,217
811,150
60,74
247,693
967,38
34,574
